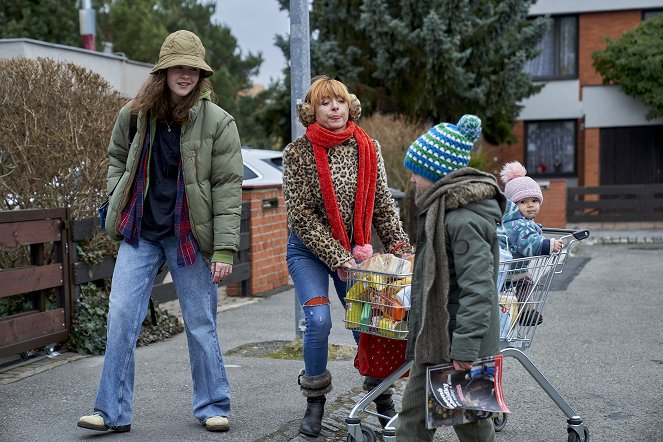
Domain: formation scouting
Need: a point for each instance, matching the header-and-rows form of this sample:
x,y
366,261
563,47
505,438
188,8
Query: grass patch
x,y
289,350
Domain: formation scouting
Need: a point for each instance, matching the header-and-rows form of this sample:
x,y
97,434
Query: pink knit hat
x,y
517,185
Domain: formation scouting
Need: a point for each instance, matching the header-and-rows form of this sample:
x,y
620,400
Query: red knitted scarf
x,y
322,139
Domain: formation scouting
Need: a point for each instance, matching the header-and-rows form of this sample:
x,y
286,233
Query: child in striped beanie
x,y
444,148
458,210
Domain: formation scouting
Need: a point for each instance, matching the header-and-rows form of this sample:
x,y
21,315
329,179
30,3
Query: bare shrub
x,y
56,120
395,134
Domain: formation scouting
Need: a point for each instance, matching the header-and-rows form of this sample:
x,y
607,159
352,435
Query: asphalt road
x,y
601,345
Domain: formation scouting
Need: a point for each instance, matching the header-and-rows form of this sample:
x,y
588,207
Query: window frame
x,y
534,173
557,26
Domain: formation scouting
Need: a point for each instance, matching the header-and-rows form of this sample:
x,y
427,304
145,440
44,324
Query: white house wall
x,y
602,106
554,7
124,75
608,106
558,100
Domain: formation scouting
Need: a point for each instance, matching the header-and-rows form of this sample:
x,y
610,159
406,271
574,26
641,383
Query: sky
x,y
255,23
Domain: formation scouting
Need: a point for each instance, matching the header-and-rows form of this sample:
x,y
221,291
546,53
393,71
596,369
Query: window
x,y
559,51
550,147
249,174
646,15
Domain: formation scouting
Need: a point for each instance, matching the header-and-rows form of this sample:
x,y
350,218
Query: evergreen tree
x,y
54,21
430,59
635,61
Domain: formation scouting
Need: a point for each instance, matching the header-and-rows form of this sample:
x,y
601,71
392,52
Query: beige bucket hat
x,y
183,48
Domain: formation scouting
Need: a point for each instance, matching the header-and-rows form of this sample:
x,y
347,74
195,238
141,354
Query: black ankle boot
x,y
312,422
385,406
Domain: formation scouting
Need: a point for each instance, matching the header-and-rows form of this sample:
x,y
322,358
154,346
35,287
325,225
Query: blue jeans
x,y
135,270
311,278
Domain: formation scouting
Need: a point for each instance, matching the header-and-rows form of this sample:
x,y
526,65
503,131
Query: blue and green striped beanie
x,y
444,148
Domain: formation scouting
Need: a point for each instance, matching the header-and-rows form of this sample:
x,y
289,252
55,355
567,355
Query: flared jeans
x,y
133,277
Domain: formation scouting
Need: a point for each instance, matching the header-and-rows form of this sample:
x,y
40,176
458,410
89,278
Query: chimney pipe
x,y
87,25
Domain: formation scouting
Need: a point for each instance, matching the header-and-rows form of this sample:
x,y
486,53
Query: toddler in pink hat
x,y
519,233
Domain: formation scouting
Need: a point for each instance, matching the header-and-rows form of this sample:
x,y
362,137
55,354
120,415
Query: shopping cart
x,y
523,286
376,303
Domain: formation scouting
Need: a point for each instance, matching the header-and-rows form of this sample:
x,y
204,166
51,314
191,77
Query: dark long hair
x,y
154,95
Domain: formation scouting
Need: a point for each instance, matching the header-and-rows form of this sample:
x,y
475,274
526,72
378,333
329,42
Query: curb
x,y
34,366
626,239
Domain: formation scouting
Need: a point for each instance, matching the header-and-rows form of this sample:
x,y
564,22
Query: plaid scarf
x,y
132,215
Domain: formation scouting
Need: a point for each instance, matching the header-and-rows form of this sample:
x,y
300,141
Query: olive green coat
x,y
454,313
213,174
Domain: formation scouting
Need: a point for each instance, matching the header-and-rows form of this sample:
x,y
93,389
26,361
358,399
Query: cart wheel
x,y
367,433
499,422
575,437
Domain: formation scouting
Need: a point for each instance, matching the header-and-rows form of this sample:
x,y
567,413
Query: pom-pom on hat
x,y
444,148
517,185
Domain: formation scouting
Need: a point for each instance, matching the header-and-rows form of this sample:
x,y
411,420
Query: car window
x,y
276,162
249,174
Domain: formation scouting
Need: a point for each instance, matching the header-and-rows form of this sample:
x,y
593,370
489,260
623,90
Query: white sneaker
x,y
217,423
96,422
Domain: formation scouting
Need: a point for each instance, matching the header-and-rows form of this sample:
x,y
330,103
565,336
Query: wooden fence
x,y
628,203
44,325
163,290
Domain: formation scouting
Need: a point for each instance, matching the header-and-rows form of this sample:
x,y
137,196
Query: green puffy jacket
x,y
213,174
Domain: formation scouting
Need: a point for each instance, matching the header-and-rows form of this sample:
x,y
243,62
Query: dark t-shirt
x,y
159,210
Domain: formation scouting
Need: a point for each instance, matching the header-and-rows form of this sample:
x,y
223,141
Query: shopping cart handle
x,y
577,234
581,234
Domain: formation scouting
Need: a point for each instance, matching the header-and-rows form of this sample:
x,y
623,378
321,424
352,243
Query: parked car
x,y
271,157
262,168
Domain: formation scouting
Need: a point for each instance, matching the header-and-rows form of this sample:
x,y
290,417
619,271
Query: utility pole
x,y
300,80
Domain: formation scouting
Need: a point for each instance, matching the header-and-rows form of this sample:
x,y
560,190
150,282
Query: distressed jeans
x,y
311,279
135,270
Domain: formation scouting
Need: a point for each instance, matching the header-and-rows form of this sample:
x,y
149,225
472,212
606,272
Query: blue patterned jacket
x,y
525,237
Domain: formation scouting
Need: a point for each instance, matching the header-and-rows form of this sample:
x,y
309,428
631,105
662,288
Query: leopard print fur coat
x,y
307,216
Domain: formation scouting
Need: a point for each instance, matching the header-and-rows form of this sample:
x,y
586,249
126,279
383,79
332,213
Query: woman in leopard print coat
x,y
335,189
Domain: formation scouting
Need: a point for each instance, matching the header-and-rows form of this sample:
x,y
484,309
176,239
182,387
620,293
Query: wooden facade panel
x,y
30,232
85,273
30,279
635,203
31,326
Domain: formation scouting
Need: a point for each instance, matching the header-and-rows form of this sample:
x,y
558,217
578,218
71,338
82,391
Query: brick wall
x,y
592,28
553,209
498,155
269,235
592,158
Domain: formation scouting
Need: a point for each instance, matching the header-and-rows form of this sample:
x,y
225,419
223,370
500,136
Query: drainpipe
x,y
88,25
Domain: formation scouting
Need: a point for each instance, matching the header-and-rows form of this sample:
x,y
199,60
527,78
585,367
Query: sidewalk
x,y
41,400
266,402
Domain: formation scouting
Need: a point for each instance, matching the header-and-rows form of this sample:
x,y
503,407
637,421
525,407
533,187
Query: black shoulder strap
x,y
133,127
